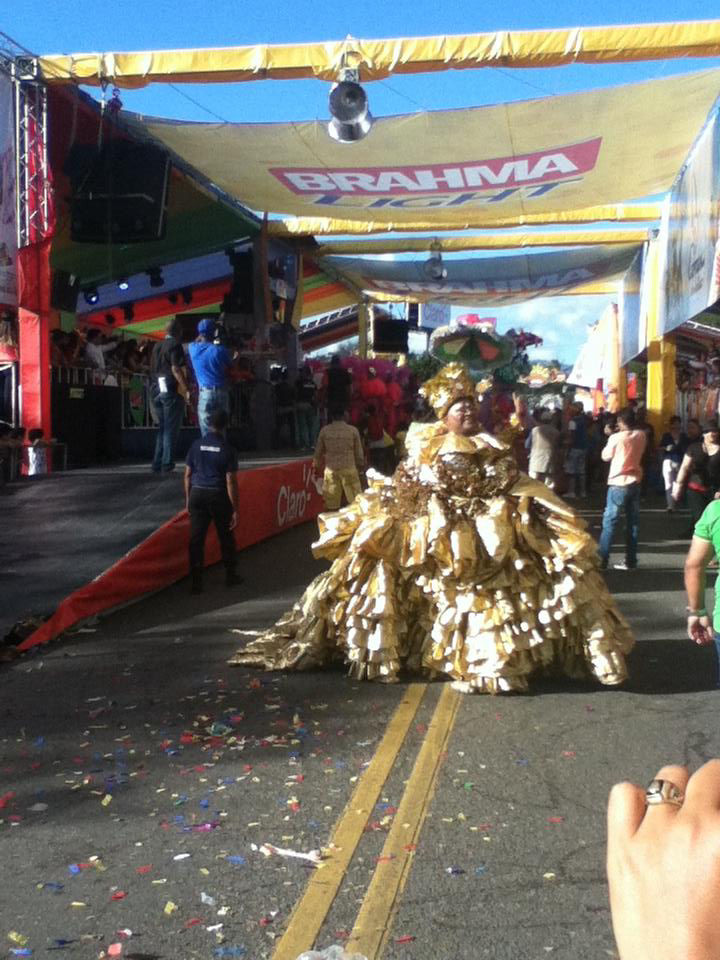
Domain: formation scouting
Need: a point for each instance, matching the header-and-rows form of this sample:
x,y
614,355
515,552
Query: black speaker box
x,y
240,299
64,291
389,335
119,192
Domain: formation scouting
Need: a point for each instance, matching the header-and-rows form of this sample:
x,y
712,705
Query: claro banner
x,y
8,236
272,499
513,159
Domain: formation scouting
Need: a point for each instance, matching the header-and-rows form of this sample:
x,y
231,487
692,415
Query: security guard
x,y
211,495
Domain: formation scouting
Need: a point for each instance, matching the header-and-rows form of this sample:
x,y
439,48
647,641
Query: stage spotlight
x,y
123,284
156,277
434,268
129,312
187,295
91,295
351,117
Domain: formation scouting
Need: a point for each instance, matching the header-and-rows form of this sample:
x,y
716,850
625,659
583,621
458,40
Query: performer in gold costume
x,y
457,566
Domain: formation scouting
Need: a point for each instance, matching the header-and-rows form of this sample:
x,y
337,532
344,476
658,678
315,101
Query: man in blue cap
x,y
211,364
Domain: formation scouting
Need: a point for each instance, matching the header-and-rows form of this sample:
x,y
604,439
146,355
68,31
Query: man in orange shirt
x,y
624,450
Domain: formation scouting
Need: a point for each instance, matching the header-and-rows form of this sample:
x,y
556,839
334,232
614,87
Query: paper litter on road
x,y
268,850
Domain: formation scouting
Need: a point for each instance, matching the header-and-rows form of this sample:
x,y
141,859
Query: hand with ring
x,y
663,863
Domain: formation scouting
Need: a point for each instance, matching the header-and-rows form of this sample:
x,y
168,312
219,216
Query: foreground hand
x,y
700,630
663,866
233,521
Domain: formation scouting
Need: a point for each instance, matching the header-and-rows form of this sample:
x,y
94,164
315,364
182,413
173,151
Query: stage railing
x,y
83,376
137,410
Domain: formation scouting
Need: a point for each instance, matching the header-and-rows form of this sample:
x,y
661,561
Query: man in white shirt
x,y
95,349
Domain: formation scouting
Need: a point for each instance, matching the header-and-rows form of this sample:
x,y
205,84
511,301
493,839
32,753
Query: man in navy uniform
x,y
211,496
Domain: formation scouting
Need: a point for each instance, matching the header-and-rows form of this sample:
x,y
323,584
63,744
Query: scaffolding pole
x,y
31,163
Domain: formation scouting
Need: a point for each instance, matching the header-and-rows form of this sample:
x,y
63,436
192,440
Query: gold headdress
x,y
451,384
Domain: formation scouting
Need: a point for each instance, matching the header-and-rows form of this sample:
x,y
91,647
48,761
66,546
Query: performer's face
x,y
462,417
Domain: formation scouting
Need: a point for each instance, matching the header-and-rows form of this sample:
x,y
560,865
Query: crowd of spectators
x,y
565,451
378,397
564,448
109,353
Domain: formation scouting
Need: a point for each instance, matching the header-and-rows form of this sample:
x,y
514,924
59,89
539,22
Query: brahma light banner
x,y
8,221
537,156
492,281
690,230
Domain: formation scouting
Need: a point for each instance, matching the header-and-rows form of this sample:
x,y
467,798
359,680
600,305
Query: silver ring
x,y
663,791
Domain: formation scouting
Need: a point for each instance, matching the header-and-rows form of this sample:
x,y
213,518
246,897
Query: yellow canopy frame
x,y
327,226
377,59
504,241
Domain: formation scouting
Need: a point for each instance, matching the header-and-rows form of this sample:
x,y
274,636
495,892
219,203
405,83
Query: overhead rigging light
x,y
434,268
91,295
123,284
351,117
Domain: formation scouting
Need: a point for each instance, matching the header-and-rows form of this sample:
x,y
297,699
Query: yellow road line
x,y
374,921
312,908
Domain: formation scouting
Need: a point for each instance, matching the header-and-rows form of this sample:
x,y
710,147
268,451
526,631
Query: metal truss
x,y
31,164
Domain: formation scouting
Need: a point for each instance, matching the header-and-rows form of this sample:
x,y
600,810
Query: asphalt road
x,y
140,775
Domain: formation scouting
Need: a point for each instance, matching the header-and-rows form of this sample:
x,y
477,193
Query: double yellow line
x,y
374,921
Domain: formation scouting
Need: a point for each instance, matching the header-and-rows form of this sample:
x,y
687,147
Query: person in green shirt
x,y
704,546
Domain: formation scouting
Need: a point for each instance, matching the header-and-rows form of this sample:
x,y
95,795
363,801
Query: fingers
x,y
626,809
703,789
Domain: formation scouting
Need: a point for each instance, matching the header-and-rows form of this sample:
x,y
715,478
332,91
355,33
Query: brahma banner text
x,y
488,280
536,156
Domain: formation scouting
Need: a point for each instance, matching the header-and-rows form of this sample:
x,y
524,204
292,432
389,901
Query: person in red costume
x,y
372,388
394,397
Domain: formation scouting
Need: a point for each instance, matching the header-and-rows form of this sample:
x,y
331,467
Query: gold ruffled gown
x,y
459,566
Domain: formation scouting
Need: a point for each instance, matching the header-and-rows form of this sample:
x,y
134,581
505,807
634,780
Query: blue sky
x,y
68,26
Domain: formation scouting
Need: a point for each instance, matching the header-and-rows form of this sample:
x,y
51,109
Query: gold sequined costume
x,y
460,566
